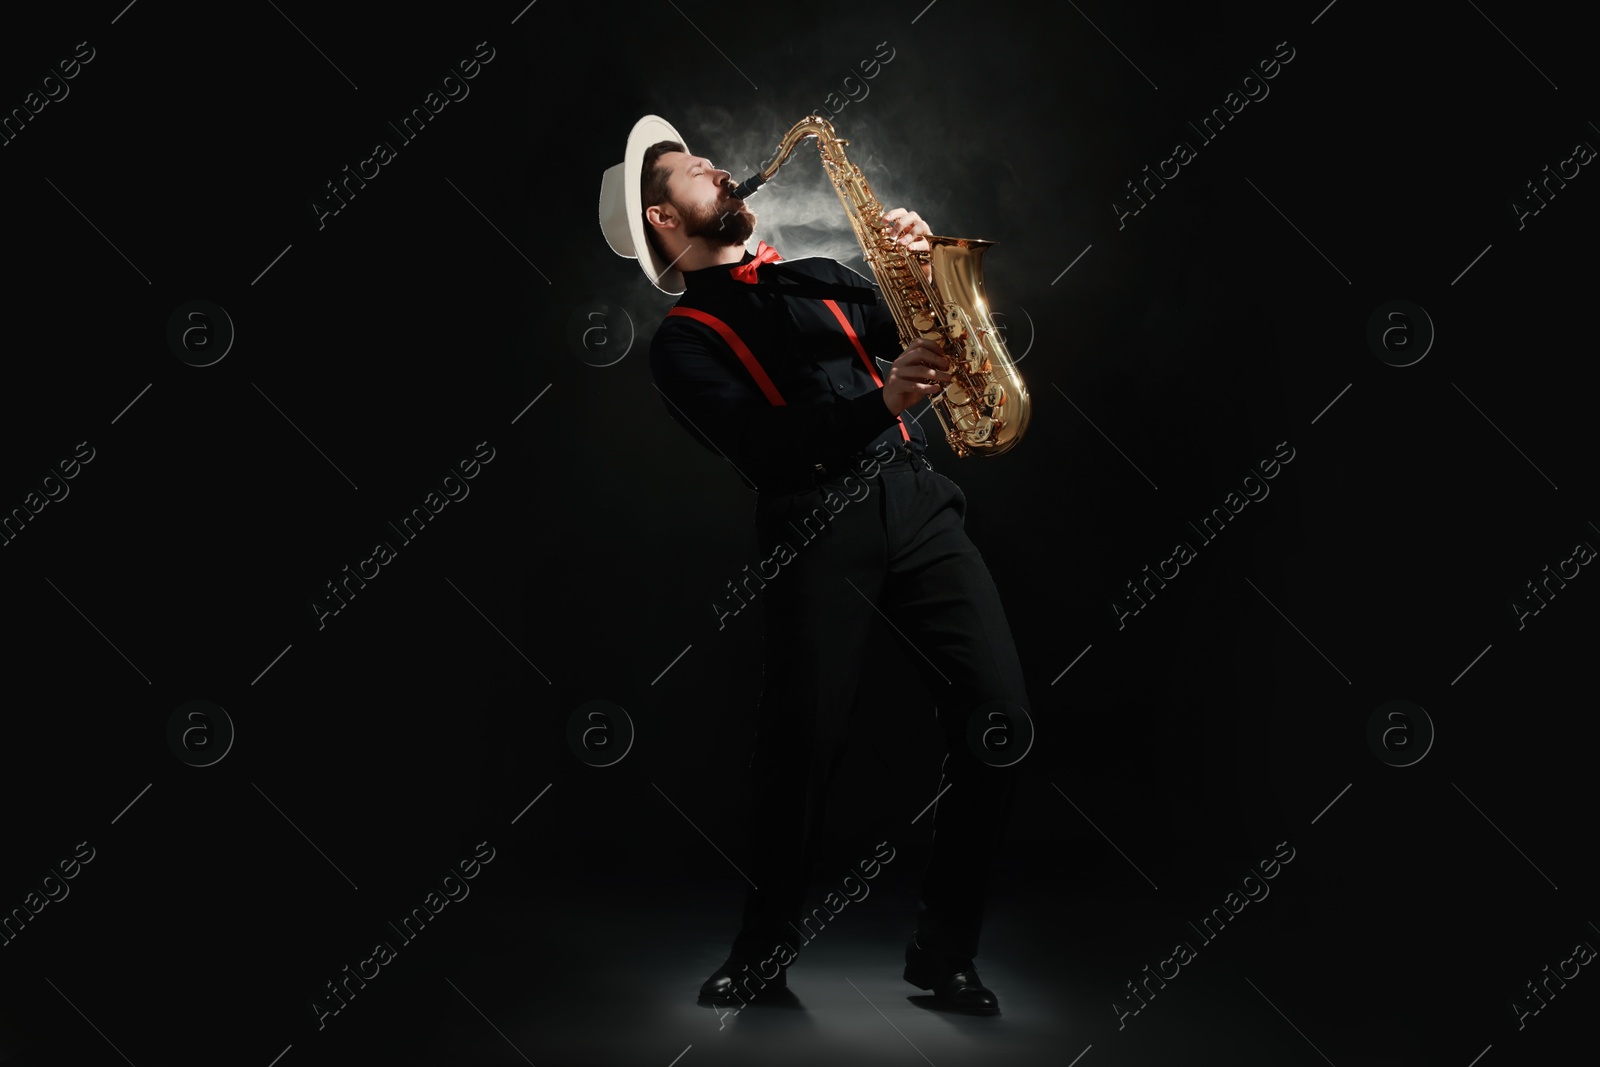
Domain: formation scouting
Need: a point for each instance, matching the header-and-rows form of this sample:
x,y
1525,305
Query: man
x,y
770,364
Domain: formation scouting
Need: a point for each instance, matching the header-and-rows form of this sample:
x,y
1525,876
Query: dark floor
x,y
1325,969
1280,985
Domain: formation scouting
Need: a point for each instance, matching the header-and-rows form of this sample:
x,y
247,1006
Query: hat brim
x,y
627,209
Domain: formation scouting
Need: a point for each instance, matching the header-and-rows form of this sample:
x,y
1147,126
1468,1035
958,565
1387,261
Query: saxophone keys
x,y
922,322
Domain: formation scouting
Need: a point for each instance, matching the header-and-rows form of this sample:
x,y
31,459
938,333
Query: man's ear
x,y
659,215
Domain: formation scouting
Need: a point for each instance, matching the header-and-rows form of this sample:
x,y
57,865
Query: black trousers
x,y
893,542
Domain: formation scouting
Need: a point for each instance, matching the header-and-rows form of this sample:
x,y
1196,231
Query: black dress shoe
x,y
728,982
955,983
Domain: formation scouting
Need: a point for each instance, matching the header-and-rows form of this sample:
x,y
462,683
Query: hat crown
x,y
622,208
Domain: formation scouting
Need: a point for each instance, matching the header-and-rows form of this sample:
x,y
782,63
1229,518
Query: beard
x,y
719,225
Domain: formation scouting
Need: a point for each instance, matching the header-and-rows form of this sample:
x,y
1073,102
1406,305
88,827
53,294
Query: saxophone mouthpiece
x,y
748,186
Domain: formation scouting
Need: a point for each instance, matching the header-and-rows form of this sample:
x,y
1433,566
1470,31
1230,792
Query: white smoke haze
x,y
968,156
798,213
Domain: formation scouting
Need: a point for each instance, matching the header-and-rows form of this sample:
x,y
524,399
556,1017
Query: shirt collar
x,y
715,275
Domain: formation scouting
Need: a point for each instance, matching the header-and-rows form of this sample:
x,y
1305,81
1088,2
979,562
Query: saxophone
x,y
984,408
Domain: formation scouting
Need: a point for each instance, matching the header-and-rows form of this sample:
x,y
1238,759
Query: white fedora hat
x,y
622,209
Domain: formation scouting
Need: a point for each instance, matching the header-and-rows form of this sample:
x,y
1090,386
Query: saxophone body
x,y
984,408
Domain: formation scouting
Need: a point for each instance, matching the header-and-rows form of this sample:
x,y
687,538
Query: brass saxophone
x,y
985,407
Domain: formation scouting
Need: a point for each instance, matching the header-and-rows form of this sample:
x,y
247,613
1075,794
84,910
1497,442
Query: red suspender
x,y
862,352
740,349
752,365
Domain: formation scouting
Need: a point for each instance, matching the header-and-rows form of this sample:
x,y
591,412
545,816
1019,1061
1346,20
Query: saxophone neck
x,y
810,126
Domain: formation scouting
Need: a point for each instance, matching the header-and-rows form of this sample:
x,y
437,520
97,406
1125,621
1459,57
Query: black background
x,y
1231,314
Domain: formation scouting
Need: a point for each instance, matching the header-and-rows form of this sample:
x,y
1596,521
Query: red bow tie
x,y
746,272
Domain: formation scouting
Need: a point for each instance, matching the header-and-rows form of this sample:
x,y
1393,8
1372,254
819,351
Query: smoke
x,y
798,212
923,141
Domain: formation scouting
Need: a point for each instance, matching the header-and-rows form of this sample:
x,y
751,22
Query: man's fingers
x,y
902,222
926,352
900,212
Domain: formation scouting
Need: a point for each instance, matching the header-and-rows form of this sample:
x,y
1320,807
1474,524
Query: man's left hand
x,y
908,228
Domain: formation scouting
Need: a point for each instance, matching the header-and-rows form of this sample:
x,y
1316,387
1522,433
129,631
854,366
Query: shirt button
x,y
840,388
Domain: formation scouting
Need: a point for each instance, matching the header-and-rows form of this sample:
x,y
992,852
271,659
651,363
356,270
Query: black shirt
x,y
831,407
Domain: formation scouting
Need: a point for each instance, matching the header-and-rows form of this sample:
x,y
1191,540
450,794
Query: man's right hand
x,y
921,370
